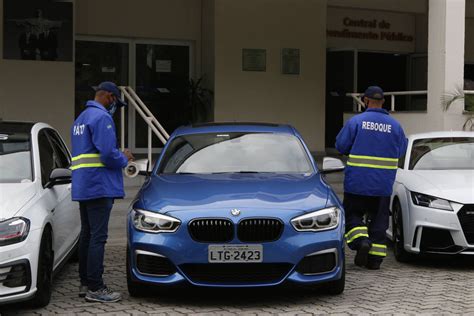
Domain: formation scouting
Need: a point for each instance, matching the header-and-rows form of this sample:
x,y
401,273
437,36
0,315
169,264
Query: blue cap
x,y
374,92
112,88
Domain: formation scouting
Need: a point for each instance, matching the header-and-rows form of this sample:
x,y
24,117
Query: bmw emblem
x,y
235,212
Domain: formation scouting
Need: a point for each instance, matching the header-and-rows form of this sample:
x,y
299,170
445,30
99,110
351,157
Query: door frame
x,y
132,44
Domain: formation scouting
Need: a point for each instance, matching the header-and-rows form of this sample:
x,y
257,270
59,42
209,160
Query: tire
x,y
44,278
337,287
135,289
398,234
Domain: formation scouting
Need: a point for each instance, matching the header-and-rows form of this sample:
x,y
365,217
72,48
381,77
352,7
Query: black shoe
x,y
362,255
373,265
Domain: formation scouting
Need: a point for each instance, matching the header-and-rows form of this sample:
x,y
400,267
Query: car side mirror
x,y
331,165
138,167
59,176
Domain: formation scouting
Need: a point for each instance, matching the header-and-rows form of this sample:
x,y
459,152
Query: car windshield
x,y
447,153
235,153
15,157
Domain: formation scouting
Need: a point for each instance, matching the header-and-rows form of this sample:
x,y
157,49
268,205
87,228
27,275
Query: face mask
x,y
113,108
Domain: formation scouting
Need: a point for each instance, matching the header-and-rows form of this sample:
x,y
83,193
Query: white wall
x,y
271,96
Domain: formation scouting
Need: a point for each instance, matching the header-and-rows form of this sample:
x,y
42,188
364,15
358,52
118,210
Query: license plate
x,y
235,253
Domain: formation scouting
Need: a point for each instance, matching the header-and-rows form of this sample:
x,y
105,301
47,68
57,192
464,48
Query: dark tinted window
x,y
61,155
47,156
236,153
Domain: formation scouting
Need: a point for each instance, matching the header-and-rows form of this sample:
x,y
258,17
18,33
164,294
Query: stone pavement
x,y
431,285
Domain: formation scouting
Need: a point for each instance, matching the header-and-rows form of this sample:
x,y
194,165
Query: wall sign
x,y
38,30
254,59
163,65
372,30
290,61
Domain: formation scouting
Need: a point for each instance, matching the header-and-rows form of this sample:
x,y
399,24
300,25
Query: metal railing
x,y
359,104
154,125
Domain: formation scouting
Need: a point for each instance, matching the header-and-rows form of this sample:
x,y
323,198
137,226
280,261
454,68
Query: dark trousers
x,y
375,210
95,216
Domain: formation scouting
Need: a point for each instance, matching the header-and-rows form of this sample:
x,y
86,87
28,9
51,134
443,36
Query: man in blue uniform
x,y
96,181
374,142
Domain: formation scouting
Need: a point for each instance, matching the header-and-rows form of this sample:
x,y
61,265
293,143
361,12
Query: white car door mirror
x,y
59,176
332,165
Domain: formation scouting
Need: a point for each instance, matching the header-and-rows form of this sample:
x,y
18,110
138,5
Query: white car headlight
x,y
152,222
430,201
14,230
324,219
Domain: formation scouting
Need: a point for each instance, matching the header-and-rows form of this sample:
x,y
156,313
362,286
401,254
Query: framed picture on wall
x,y
290,61
38,30
254,59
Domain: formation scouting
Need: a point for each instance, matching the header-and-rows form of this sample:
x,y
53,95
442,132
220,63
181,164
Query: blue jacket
x,y
374,142
96,163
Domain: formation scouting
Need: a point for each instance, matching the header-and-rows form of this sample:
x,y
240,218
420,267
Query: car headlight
x,y
430,201
324,219
152,222
14,230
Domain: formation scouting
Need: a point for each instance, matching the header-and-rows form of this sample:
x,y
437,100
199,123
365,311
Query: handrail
x,y
360,104
153,124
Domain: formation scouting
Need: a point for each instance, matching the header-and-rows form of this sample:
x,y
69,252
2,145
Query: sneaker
x,y
373,265
362,255
104,295
82,290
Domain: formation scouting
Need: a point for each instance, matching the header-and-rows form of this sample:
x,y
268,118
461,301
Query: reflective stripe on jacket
x,y
96,163
374,142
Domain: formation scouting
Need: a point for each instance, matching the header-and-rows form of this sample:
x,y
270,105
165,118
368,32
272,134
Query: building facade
x,y
283,61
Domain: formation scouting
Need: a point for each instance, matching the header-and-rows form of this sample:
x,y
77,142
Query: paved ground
x,y
433,285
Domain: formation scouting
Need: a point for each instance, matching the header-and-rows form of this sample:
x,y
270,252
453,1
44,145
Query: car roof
x,y
229,127
441,134
16,127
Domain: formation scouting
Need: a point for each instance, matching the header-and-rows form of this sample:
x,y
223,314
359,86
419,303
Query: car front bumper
x,y
282,255
440,231
19,261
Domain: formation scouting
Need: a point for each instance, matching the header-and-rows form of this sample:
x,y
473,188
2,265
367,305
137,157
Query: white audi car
x,y
433,196
39,224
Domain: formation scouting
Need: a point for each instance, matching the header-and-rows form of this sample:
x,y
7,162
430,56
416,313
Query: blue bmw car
x,y
236,205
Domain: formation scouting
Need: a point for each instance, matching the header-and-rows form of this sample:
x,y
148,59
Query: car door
x,y
49,197
66,215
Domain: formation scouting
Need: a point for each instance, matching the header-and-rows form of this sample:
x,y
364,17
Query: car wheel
x,y
337,287
135,289
44,278
398,238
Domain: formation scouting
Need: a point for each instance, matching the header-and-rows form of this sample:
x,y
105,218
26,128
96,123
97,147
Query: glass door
x,y
98,61
162,73
340,77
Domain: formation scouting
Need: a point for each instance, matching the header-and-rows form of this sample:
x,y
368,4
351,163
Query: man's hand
x,y
128,154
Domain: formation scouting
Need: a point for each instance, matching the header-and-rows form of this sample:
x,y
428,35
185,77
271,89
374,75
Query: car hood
x,y
171,193
13,196
453,185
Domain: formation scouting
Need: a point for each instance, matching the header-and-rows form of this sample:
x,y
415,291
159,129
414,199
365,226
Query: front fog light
x,y
324,219
152,222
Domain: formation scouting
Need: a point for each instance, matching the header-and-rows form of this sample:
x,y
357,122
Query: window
x,y
15,157
47,154
450,153
61,154
236,153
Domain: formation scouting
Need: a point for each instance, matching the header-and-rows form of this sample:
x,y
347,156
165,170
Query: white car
x,y
39,224
433,198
